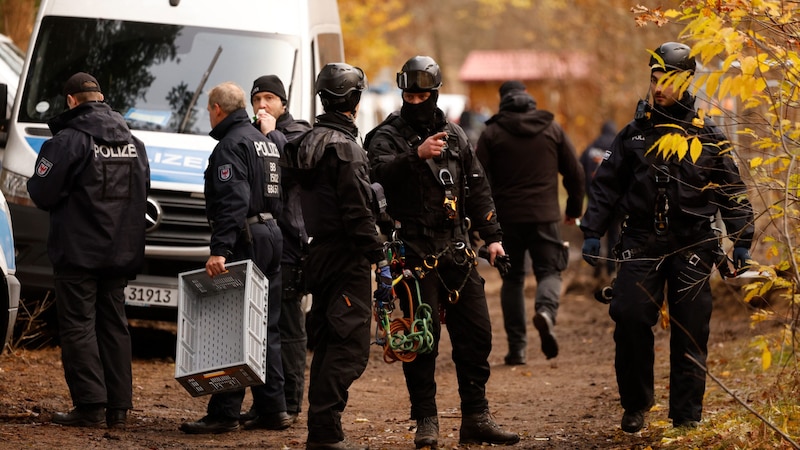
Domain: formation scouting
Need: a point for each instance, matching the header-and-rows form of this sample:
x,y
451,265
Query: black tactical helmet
x,y
674,56
339,86
340,79
420,74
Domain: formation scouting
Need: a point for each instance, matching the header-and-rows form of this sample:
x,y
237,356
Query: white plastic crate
x,y
222,329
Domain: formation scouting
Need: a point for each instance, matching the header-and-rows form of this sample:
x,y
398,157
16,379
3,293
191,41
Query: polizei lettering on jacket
x,y
120,151
271,155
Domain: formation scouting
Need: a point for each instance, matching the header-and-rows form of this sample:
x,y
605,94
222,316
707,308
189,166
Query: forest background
x,y
380,35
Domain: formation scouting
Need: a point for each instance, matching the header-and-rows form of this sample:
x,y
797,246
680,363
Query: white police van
x,y
155,61
9,285
11,61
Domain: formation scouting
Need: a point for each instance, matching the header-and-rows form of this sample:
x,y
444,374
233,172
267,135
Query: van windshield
x,y
150,72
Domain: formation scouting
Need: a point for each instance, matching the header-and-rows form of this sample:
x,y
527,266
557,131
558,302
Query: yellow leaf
x,y
696,149
664,316
681,146
772,252
712,83
755,162
766,358
749,295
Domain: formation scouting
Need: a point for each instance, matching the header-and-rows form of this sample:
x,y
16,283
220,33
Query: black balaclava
x,y
421,116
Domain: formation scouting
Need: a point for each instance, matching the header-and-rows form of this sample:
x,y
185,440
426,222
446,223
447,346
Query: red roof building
x,y
561,82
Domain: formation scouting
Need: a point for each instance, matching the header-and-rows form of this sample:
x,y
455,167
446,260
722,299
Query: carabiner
x,y
453,296
431,262
471,253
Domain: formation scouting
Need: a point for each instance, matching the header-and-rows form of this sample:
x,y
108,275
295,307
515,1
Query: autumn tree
x,y
17,20
366,26
380,36
750,81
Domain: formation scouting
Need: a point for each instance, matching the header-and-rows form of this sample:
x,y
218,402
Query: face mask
x,y
420,115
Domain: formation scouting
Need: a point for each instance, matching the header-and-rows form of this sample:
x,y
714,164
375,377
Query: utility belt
x,y
252,220
260,218
419,231
642,252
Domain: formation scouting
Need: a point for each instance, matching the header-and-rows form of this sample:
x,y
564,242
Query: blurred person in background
x,y
591,157
523,151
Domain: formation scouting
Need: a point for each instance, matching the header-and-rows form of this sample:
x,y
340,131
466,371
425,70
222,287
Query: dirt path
x,y
570,402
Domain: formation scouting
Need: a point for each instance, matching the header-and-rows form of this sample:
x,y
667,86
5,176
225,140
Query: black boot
x,y
117,418
481,427
632,421
543,322
427,433
341,445
274,421
92,416
516,357
210,425
249,415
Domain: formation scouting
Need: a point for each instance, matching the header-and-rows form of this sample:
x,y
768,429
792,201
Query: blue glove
x,y
591,250
740,257
383,278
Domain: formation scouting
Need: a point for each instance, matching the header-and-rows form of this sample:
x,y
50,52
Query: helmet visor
x,y
416,80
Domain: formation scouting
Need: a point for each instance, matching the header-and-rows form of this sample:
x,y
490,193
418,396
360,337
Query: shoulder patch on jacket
x,y
225,172
44,167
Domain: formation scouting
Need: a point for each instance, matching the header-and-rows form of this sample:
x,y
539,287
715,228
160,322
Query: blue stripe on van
x,y
167,164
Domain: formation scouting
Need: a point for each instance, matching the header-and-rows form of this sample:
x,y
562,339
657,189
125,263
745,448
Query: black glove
x,y
740,257
383,278
591,250
501,262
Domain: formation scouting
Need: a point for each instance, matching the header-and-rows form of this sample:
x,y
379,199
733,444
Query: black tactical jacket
x,y
627,180
93,177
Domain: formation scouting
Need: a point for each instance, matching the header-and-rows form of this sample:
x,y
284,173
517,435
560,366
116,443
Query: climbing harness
x,y
403,338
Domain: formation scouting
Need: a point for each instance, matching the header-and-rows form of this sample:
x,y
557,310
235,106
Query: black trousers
x,y
549,257
654,271
95,341
265,251
470,332
293,339
339,328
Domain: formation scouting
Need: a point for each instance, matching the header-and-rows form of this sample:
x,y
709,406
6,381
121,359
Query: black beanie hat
x,y
510,86
269,83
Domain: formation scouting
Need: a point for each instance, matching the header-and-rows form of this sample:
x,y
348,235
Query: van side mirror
x,y
4,119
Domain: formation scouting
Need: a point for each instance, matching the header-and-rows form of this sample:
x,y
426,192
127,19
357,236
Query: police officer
x,y
667,240
332,171
268,98
93,176
591,158
433,184
242,191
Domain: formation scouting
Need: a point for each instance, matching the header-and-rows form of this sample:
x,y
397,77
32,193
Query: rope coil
x,y
403,338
